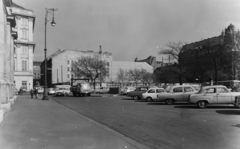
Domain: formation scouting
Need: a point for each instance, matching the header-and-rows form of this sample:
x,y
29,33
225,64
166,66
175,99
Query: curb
x,y
119,135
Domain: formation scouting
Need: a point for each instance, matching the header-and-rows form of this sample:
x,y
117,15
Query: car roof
x,y
156,88
213,86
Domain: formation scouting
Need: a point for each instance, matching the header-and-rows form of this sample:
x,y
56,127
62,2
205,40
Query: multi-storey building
x,y
59,66
24,47
7,36
216,57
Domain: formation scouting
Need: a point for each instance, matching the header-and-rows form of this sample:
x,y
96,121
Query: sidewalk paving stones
x,y
39,124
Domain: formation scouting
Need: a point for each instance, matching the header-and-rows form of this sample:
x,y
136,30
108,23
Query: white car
x,y
62,92
128,89
51,91
177,93
216,94
151,93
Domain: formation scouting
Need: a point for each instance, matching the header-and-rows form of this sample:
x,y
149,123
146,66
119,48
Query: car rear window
x,y
177,90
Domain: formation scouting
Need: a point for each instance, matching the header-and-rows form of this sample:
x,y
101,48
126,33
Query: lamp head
x,y
53,23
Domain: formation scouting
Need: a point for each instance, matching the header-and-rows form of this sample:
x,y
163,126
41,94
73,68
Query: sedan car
x,y
62,92
137,93
177,93
217,94
51,91
151,93
128,89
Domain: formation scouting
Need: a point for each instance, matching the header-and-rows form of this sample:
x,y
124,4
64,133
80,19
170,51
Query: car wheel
x,y
169,101
135,97
237,103
202,104
149,99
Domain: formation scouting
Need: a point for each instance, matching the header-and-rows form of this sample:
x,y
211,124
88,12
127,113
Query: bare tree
x,y
135,75
90,67
122,76
174,50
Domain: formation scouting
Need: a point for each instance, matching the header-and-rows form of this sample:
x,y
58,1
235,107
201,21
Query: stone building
x,y
24,47
7,36
216,57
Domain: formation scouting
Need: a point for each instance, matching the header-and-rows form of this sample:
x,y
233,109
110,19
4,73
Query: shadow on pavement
x,y
229,112
156,103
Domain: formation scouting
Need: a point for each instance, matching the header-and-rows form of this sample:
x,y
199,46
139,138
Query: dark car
x,y
137,93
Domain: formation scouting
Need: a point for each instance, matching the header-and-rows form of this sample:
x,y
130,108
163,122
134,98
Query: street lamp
x,y
48,11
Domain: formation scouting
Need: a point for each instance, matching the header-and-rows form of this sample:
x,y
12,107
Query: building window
x,y
68,68
24,85
24,65
24,34
68,76
68,62
25,21
25,50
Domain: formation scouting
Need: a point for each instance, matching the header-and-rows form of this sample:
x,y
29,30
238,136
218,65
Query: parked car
x,y
128,89
51,91
101,90
137,93
217,94
151,93
176,93
62,92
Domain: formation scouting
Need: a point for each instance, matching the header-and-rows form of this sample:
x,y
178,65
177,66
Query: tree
x,y
135,75
174,50
122,76
90,67
146,77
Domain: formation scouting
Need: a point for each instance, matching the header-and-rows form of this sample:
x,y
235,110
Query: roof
x,y
18,6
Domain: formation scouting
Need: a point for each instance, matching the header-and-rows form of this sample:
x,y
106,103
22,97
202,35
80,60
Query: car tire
x,y
149,99
202,104
135,97
237,103
169,101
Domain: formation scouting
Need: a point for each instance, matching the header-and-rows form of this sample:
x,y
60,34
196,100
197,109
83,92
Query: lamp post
x,y
48,11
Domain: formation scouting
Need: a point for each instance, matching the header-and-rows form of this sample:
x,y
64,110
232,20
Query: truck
x,y
81,89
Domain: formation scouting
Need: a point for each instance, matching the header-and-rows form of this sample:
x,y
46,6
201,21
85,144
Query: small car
x,y
137,93
128,89
176,93
151,93
62,92
51,91
216,94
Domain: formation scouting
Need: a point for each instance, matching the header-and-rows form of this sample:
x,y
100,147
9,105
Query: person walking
x,y
31,93
36,92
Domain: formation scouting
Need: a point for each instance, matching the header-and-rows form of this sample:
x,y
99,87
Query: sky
x,y
128,29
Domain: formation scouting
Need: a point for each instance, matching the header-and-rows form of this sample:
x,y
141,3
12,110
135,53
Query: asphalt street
x,y
158,125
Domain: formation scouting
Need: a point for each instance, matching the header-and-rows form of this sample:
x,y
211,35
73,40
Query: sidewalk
x,y
38,124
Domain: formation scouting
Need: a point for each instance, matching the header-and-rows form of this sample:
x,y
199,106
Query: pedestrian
x,y
31,93
36,92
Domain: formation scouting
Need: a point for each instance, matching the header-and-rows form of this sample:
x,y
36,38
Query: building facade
x,y
216,57
24,47
7,36
59,66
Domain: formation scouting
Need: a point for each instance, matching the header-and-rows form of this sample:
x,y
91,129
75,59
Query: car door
x,y
187,92
223,95
151,93
158,91
211,95
177,93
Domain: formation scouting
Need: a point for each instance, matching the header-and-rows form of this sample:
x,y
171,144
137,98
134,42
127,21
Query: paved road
x,y
156,125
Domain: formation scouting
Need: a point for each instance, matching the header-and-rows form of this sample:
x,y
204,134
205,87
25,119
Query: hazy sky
x,y
129,28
